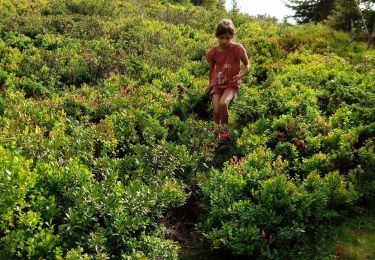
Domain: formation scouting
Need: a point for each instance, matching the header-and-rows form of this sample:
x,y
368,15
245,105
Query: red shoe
x,y
224,138
224,135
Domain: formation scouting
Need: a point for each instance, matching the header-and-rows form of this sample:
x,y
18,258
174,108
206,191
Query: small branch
x,y
363,19
346,44
334,37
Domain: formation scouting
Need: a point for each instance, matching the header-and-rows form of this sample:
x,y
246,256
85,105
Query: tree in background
x,y
311,10
349,15
235,8
356,16
210,3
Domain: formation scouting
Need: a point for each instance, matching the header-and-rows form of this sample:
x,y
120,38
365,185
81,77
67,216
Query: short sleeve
x,y
210,55
240,51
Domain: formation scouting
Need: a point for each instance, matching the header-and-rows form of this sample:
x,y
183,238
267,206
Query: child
x,y
225,74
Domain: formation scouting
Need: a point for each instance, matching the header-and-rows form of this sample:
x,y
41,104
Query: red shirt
x,y
227,64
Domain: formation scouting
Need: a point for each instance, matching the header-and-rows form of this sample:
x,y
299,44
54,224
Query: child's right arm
x,y
210,58
211,72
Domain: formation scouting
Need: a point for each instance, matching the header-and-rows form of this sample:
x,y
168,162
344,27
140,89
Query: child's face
x,y
225,39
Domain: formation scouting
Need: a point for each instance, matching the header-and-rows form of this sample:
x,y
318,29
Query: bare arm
x,y
211,72
246,66
245,69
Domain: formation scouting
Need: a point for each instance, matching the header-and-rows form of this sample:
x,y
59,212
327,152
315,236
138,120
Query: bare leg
x,y
215,102
224,103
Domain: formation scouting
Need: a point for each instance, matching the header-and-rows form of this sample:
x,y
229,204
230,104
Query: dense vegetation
x,y
354,16
105,132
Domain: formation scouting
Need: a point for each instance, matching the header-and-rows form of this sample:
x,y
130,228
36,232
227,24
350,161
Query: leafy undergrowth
x,y
108,150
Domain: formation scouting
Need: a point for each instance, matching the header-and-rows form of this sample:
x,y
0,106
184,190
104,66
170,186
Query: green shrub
x,y
256,210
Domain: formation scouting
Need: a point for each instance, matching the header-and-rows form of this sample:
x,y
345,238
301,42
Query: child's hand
x,y
243,72
235,78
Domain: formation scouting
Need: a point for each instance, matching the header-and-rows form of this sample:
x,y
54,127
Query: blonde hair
x,y
225,26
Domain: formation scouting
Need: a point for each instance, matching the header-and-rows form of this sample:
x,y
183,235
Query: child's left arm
x,y
245,69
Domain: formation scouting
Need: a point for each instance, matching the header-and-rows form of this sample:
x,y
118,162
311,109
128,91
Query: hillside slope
x,y
106,135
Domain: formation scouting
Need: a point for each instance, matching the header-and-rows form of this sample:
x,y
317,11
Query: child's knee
x,y
223,103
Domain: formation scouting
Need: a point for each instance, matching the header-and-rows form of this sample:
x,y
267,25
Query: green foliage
x,y
101,217
105,128
256,209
